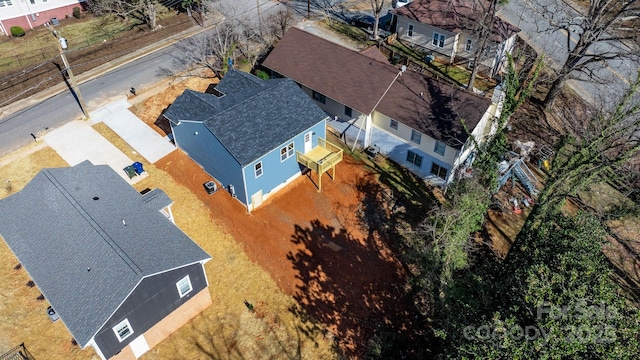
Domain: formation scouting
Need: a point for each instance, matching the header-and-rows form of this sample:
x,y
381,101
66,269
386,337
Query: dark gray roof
x,y
253,117
156,199
69,220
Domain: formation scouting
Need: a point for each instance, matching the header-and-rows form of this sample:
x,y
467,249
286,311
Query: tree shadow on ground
x,y
355,287
250,335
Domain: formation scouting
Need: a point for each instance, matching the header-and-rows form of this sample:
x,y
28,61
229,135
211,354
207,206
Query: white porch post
x,y
368,126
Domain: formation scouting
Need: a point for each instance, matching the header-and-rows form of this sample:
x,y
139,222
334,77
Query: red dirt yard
x,y
313,244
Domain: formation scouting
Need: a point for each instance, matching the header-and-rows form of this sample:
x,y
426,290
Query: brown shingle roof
x,y
456,16
355,80
375,53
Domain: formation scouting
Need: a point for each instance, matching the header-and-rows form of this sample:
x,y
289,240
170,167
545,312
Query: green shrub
x,y
76,12
262,74
17,31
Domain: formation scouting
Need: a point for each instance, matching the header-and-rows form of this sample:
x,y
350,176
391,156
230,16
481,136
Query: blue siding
x,y
207,151
274,171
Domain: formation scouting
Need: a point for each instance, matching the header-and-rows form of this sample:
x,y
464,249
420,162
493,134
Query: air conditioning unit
x,y
52,314
211,187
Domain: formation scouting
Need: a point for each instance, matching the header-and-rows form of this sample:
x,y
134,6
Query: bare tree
x,y
376,7
593,37
483,20
143,10
207,51
278,23
595,149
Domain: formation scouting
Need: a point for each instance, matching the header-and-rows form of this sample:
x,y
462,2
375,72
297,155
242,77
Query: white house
x,y
444,29
419,122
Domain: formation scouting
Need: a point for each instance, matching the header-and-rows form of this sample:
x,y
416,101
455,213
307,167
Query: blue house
x,y
251,135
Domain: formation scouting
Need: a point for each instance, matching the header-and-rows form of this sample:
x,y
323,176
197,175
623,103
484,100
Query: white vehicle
x,y
399,3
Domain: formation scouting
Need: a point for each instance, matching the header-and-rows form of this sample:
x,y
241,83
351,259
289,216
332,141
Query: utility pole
x,y
62,46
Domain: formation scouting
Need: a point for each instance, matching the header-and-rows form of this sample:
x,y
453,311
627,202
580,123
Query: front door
x,y
308,142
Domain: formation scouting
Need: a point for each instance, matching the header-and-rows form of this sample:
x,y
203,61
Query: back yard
x,y
317,272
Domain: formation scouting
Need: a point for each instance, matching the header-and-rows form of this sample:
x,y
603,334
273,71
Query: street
x,y
16,128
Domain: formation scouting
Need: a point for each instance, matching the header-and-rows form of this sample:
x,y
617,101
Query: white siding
x,y
427,143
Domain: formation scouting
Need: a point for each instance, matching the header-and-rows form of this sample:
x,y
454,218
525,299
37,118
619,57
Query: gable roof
x,y
253,117
87,238
456,16
355,80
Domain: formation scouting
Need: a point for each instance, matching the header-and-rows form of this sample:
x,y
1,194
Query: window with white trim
x,y
319,97
258,169
416,136
393,124
123,330
440,148
438,40
286,152
439,171
414,158
410,30
184,286
33,2
4,3
468,45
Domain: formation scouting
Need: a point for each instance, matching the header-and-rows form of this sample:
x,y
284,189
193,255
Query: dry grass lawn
x,y
225,330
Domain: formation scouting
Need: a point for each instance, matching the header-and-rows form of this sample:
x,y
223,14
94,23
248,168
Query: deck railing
x,y
325,163
19,352
327,159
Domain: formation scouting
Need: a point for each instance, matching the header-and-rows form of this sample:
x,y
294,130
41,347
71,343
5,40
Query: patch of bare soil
x,y
314,244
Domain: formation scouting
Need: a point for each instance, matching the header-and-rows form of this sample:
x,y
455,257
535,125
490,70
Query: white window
x,y
184,286
33,2
123,330
258,169
438,40
439,148
410,30
416,136
4,3
393,124
469,45
286,152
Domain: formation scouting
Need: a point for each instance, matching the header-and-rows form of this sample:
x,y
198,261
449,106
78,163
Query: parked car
x,y
399,3
363,21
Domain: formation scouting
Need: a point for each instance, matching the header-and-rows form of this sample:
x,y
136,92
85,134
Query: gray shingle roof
x,y
253,117
67,228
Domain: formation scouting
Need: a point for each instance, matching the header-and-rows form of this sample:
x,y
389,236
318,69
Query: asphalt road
x,y
16,128
538,33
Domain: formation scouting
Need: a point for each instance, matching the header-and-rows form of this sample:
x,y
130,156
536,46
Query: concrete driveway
x,y
77,141
151,145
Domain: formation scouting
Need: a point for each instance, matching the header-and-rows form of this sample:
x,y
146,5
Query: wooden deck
x,y
321,158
